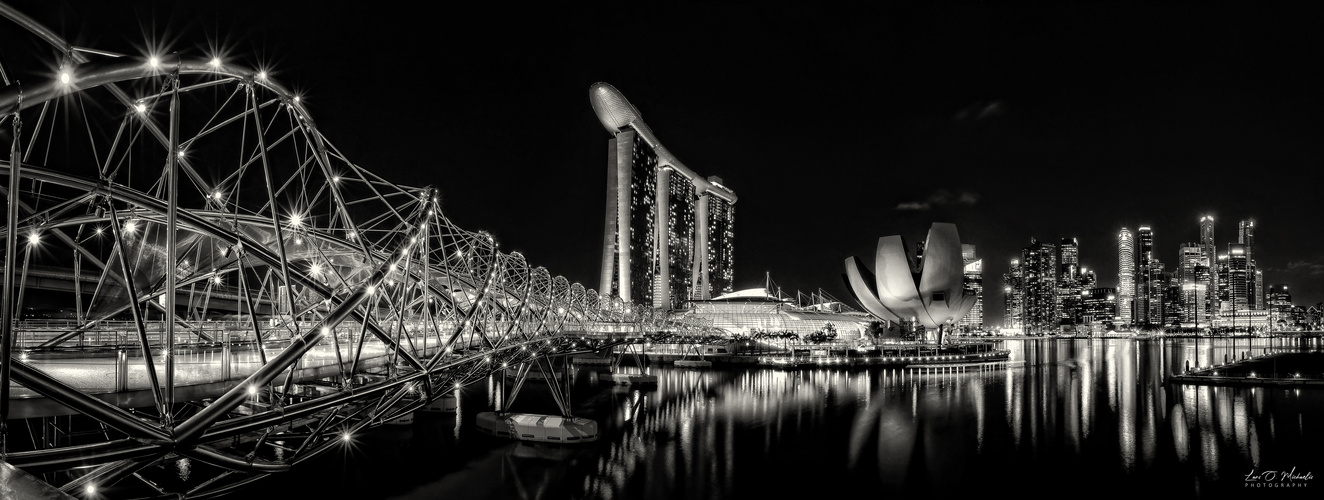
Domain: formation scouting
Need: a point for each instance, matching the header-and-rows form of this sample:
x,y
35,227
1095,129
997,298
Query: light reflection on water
x,y
1080,416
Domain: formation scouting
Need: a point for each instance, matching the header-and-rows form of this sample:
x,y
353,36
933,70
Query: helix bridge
x,y
233,290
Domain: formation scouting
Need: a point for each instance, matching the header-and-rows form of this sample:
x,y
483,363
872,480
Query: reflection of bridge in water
x,y
238,293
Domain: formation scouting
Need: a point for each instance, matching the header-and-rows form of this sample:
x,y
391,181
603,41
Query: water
x,y
1081,417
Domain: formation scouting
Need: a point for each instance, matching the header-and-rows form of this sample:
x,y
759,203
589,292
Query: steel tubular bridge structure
x,y
241,297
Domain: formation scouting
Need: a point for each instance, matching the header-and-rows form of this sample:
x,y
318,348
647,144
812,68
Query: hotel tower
x,y
667,232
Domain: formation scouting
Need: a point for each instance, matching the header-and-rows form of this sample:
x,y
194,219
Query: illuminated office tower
x,y
1126,284
973,280
667,232
1068,281
1172,309
1013,302
1193,278
1146,308
1238,278
1087,279
1099,308
1210,252
1224,288
1279,303
1039,287
1255,281
1158,295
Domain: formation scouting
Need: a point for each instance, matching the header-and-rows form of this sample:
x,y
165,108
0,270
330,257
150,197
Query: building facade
x,y
1040,302
1126,284
668,234
973,281
1147,311
1210,252
1099,309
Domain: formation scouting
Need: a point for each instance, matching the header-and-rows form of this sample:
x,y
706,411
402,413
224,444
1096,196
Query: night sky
x,y
834,125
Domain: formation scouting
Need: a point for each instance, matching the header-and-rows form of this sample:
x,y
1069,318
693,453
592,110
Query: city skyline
x,y
835,124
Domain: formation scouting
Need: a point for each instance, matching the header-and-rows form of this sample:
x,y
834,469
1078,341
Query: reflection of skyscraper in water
x,y
667,232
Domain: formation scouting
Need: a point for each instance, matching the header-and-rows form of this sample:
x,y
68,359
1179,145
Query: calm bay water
x,y
1080,417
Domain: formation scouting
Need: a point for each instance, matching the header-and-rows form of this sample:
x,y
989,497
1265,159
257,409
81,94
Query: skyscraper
x,y
1068,281
1146,308
1099,308
973,280
1039,287
1238,277
1126,284
667,232
1279,302
1255,281
1193,278
1211,259
1013,288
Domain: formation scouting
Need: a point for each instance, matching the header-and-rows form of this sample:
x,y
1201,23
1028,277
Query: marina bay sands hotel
x,y
667,235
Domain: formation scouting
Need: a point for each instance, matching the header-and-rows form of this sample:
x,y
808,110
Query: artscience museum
x,y
924,290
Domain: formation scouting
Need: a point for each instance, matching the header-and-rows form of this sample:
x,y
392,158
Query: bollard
x,y
1188,366
121,370
225,354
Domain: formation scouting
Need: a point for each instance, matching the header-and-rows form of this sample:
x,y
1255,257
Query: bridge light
x,y
216,196
296,220
262,75
252,390
131,226
215,62
216,280
65,77
296,98
154,62
346,437
34,238
91,489
335,179
140,108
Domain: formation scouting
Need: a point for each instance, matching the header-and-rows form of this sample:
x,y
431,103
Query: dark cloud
x,y
1306,267
941,197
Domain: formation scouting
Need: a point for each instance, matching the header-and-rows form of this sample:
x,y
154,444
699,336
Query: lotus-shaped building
x,y
933,297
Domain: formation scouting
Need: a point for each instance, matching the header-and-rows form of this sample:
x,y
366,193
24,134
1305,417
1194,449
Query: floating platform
x,y
693,363
976,364
444,404
539,428
535,374
628,378
591,360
